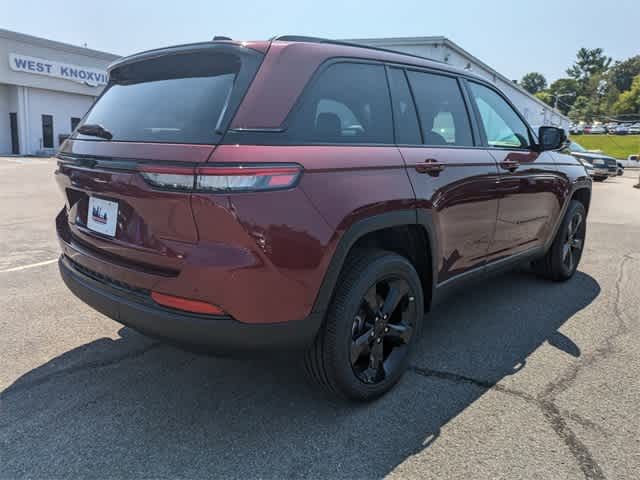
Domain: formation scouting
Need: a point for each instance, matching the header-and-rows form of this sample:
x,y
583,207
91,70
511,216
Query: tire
x,y
350,340
562,260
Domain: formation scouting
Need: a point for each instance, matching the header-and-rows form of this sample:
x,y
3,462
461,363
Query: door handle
x,y
510,165
430,166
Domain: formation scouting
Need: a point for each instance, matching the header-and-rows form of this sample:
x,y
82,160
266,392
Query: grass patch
x,y
618,146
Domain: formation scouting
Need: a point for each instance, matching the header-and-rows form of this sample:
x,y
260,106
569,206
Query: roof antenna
x,y
220,37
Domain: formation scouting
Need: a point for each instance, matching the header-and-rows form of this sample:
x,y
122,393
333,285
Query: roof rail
x,y
303,38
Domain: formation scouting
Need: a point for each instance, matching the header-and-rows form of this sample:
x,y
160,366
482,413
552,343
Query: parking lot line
x,y
32,265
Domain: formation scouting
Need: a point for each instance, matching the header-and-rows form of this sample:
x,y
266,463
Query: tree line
x,y
594,89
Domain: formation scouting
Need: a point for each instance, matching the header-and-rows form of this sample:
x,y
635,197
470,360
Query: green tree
x,y
623,72
533,82
582,109
589,62
546,97
629,101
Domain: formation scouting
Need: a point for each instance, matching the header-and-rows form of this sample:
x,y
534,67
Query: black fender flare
x,y
367,225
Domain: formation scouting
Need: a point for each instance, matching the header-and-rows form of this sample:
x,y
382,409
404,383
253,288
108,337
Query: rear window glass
x,y
442,111
180,98
348,103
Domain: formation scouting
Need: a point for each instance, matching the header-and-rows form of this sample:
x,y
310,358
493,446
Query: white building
x,y
444,50
46,87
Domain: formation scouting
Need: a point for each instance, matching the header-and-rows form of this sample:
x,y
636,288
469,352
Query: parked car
x,y
634,129
610,127
323,200
596,130
603,165
576,129
620,169
621,130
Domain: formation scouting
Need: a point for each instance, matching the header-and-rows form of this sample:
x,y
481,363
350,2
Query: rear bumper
x,y
216,333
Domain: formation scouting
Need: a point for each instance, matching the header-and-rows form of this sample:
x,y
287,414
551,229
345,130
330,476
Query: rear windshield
x,y
179,98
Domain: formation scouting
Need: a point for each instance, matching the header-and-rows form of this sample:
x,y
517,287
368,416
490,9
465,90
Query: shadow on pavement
x,y
133,407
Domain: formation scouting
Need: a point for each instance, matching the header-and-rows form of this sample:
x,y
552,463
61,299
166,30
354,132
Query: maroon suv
x,y
306,193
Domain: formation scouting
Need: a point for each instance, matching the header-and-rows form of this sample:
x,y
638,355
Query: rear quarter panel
x,y
297,231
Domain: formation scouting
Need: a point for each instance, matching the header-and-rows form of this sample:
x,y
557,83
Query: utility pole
x,y
559,95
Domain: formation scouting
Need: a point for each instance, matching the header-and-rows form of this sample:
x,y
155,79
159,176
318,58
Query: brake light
x,y
243,178
194,306
174,178
222,179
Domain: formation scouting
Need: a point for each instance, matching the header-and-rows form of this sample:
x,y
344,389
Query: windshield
x,y
181,98
574,147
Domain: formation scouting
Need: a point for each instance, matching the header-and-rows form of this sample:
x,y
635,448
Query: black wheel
x,y
562,259
371,326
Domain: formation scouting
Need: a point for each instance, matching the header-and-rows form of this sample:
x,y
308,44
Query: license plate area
x,y
102,216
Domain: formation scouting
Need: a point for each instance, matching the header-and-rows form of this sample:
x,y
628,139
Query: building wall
x,y
32,94
12,43
5,132
62,106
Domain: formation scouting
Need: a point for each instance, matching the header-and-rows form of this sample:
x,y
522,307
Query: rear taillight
x,y
221,179
173,178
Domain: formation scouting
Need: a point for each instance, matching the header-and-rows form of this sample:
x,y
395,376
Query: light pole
x,y
560,95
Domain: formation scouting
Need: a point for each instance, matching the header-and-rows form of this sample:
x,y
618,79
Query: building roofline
x,y
406,41
67,47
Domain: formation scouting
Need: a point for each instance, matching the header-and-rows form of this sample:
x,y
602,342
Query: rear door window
x,y
404,110
177,98
443,115
347,103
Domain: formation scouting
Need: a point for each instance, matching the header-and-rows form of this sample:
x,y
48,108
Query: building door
x,y
47,131
15,142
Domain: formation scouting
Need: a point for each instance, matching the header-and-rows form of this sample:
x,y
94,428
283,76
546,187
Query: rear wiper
x,y
95,130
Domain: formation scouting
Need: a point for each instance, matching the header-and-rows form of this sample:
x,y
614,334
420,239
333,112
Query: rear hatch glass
x,y
184,97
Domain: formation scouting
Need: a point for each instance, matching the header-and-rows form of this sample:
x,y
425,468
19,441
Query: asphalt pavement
x,y
515,377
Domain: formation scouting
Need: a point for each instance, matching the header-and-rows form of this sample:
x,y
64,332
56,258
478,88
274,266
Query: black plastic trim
x,y
363,227
219,334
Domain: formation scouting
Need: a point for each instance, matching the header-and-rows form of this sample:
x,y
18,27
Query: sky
x,y
514,37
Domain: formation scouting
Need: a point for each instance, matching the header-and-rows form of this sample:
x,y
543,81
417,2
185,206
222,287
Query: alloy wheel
x,y
574,241
382,330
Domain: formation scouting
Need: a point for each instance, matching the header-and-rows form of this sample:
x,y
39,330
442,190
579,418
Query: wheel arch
x,y
406,232
583,195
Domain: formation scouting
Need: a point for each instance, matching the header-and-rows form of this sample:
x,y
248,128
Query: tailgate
x,y
152,228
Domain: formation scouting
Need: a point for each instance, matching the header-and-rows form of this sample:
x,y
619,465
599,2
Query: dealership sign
x,y
89,76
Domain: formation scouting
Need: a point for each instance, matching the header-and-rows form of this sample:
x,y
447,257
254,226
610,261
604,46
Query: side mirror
x,y
551,138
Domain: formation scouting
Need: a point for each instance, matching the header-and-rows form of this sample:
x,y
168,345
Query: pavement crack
x,y
550,411
452,377
562,383
18,386
590,468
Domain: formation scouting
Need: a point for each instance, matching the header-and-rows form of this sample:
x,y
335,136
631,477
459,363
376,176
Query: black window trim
x,y
485,142
387,68
274,137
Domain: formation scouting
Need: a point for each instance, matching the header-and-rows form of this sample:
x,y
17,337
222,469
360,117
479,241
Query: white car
x,y
597,129
634,129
